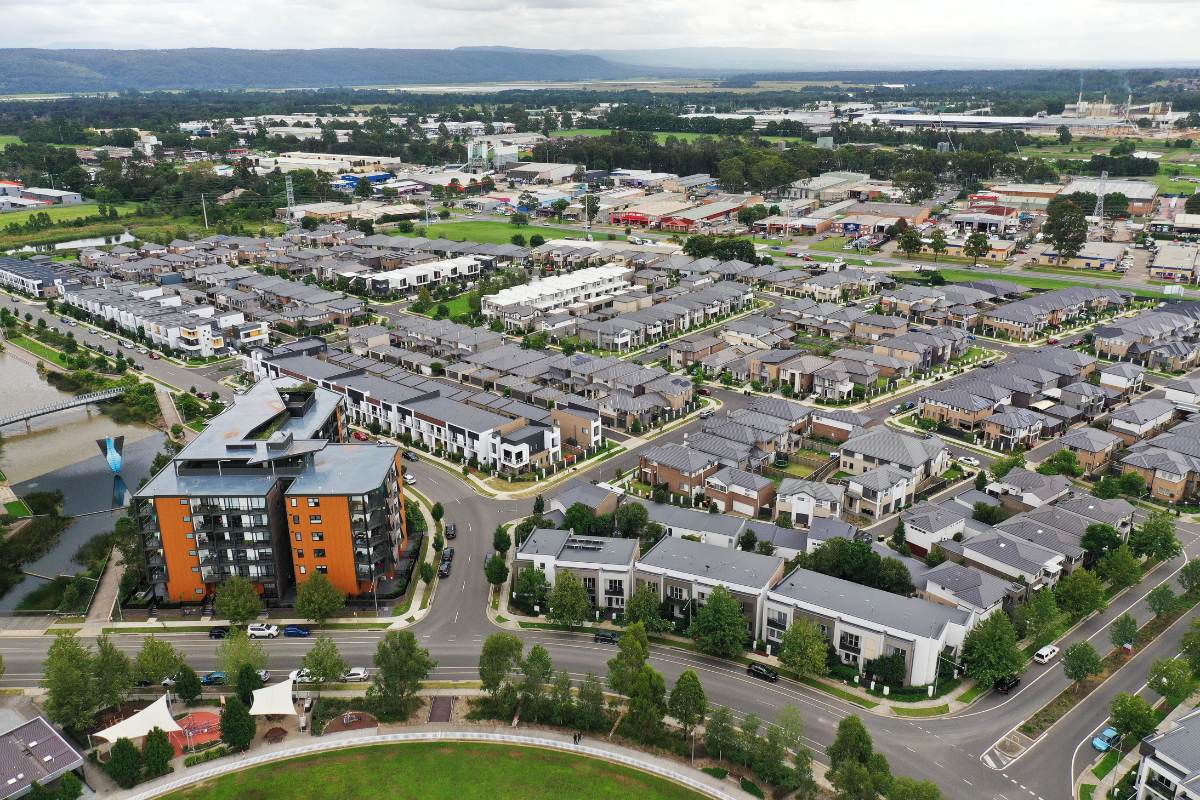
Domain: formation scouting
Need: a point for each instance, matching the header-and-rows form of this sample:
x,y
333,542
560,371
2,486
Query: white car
x,y
1045,654
868,262
264,675
105,336
259,630
142,350
969,461
301,676
358,675
409,479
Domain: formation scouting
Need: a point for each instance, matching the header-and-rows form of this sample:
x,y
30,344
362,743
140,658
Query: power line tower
x,y
291,197
1099,212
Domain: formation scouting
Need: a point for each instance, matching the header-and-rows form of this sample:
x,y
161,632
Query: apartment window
x,y
616,586
897,651
314,519
318,536
183,502
191,536
187,519
191,552
195,569
299,553
318,553
295,519
303,571
851,641
313,502
199,591
321,568
293,502
676,592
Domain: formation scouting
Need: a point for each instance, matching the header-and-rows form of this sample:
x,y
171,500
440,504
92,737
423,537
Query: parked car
x,y
218,632
301,676
451,532
704,390
706,413
105,336
970,461
409,479
1006,685
409,455
358,674
895,410
909,405
362,437
155,356
296,630
264,675
213,679
1106,740
762,671
1052,340
143,350
606,637
259,630
93,331
1045,654
444,570
65,319
448,554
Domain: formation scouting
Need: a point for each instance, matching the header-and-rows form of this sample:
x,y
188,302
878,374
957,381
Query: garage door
x,y
743,508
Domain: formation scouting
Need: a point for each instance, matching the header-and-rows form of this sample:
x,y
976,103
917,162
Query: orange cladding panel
x,y
337,540
175,522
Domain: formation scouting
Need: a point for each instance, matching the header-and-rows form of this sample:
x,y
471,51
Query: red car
x,y
155,356
704,390
1052,341
362,437
807,258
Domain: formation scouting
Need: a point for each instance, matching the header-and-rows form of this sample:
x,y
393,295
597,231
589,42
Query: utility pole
x,y
204,208
291,198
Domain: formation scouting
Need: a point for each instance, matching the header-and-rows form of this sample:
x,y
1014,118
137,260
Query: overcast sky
x,y
1038,31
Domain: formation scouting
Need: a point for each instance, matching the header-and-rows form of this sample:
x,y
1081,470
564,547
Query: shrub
x,y
208,755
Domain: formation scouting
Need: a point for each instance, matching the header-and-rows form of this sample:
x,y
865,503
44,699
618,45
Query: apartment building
x,y
270,491
560,291
863,624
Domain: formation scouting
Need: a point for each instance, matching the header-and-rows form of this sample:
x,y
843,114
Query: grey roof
x,y
889,445
580,491
1089,439
586,549
880,479
1108,512
972,496
1007,548
738,477
33,751
676,517
818,491
1124,369
909,614
1181,746
929,517
722,565
972,586
1144,411
826,528
346,469
1040,486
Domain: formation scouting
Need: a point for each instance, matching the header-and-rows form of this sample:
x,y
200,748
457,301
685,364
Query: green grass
x,y
457,306
974,352
18,509
661,135
1025,279
57,213
39,349
1090,273
197,426
833,690
493,232
922,712
7,140
1107,764
840,474
833,244
1085,791
971,694
440,771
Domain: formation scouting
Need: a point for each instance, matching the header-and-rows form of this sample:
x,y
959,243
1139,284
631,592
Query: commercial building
x,y
33,751
54,196
1141,194
271,492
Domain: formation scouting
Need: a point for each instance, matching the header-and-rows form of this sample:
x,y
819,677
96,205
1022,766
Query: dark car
x,y
444,570
704,390
448,554
451,530
606,637
1006,685
213,679
409,455
763,671
218,632
295,630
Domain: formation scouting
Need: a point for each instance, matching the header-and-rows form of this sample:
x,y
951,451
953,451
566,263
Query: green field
x,y
18,508
57,213
7,140
494,232
1025,279
439,771
662,135
39,349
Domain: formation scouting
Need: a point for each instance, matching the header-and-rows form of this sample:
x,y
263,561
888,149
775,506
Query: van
x,y
1045,654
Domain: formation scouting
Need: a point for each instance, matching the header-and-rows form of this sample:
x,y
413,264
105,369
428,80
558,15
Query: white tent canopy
x,y
155,715
276,699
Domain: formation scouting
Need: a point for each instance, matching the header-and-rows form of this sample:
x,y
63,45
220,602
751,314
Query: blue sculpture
x,y
111,448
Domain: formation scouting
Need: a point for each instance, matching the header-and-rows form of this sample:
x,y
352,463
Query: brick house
x,y
1141,420
740,492
956,408
1092,446
681,469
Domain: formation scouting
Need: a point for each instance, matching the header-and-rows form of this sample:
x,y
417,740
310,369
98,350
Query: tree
x,y
1189,577
987,513
646,705
804,648
499,658
1123,630
539,506
990,651
324,663
518,220
1172,678
157,753
1037,615
1132,717
589,708
537,670
1006,464
645,609
976,246
400,666
248,680
1064,134
632,652
851,743
1120,568
559,207
1081,661
981,480
1189,645
1156,537
237,601
568,602
427,572
1064,462
1080,593
495,570
70,787
1065,229
124,763
720,626
898,534
631,520
579,518
501,541
748,540
1161,599
532,587
906,788
1099,538
720,736
71,692
517,239
237,726
318,599
910,242
113,672
591,206
437,512
688,703
238,649
187,684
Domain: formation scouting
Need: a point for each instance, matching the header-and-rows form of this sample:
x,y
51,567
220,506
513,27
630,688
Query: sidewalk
x,y
1127,762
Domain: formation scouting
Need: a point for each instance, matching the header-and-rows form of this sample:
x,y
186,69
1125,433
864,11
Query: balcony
x,y
779,624
153,542
849,648
157,574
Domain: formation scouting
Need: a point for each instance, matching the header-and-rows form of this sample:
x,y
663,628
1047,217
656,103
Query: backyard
x,y
438,771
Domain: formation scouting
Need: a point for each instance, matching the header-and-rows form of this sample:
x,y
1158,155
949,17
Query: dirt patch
x,y
352,721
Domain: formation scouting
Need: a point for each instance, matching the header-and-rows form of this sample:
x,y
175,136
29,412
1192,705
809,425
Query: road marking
x,y
464,588
456,620
967,782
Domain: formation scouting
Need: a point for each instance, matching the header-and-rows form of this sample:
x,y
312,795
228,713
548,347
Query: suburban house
x,y
927,524
967,589
680,469
1029,487
1013,427
1008,556
1141,420
1124,377
1092,446
879,491
741,492
806,501
1170,765
884,447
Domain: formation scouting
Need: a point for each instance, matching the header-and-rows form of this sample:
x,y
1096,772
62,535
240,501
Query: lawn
x,y
492,232
1107,764
440,771
971,694
1025,279
457,306
833,244
921,712
18,509
57,213
1091,273
974,352
1085,791
39,349
799,470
